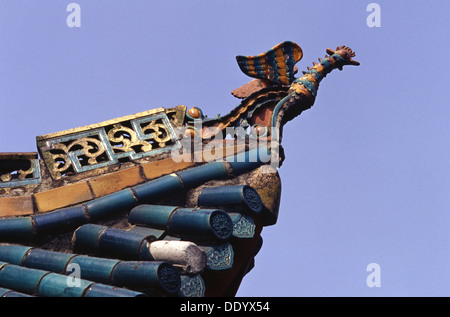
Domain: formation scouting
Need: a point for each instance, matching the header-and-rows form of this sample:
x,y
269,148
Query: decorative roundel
x,y
252,199
259,130
221,224
169,278
194,113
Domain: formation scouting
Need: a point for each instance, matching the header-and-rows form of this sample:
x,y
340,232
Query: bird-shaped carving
x,y
158,203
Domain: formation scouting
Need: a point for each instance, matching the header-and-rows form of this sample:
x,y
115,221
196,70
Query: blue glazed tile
x,y
149,233
16,229
153,215
20,279
47,260
147,274
158,188
56,285
198,175
219,257
13,254
192,286
111,204
247,161
209,223
243,225
231,195
60,220
120,243
115,242
95,269
86,237
49,222
101,290
4,292
144,251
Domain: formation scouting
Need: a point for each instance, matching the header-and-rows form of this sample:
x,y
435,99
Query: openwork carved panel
x,y
87,148
19,169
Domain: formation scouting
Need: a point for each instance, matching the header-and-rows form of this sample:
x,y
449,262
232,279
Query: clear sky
x,y
366,177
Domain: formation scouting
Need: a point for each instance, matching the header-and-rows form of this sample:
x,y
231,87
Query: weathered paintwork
x,y
163,202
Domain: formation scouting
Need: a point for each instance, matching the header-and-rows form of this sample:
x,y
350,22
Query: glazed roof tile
x,y
48,284
107,256
113,200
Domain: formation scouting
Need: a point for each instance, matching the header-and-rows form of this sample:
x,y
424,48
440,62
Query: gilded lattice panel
x,y
100,145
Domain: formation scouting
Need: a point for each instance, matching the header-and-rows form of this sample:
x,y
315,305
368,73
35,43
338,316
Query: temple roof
x,y
165,202
116,236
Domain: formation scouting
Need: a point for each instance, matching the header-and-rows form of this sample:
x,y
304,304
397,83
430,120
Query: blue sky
x,y
366,177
